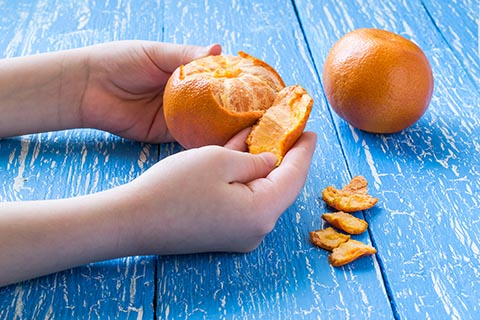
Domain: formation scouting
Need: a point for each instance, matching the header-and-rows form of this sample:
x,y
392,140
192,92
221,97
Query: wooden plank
x,y
426,224
71,163
286,277
75,162
427,176
458,23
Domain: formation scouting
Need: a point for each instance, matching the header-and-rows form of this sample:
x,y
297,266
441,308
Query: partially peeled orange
x,y
211,99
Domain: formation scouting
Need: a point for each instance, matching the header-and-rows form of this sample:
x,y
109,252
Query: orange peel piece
x,y
328,238
346,222
350,251
282,124
353,197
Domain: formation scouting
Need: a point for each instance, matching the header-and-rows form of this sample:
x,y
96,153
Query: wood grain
x,y
57,165
427,177
425,227
457,22
71,163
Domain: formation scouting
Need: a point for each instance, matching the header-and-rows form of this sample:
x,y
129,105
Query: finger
x,y
169,56
282,186
237,142
245,167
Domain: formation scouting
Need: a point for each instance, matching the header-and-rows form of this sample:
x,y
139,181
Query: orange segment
x,y
282,124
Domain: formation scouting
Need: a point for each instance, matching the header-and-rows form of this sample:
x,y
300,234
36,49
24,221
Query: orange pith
x,y
282,124
377,81
211,99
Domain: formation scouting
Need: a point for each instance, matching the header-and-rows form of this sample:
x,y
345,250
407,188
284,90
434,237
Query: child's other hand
x,y
124,88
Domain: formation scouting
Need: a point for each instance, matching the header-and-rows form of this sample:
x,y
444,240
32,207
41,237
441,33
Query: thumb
x,y
237,142
248,167
169,56
195,52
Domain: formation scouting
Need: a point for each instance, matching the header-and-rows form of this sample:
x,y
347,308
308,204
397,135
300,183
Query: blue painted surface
x,y
425,227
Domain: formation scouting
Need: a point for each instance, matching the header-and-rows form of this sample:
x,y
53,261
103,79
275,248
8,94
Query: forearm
x,y
41,92
42,237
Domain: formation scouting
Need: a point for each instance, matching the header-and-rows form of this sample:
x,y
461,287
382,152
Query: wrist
x,y
122,229
42,92
74,80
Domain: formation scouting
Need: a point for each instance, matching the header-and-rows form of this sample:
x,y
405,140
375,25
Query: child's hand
x,y
125,83
214,198
207,199
116,86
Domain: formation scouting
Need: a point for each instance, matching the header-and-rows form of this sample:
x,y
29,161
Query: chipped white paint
x,y
19,180
18,294
429,192
371,165
427,178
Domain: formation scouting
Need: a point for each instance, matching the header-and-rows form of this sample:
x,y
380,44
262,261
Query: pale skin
x,y
210,199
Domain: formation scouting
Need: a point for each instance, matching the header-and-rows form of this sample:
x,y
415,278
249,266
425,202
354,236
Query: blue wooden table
x,y
426,226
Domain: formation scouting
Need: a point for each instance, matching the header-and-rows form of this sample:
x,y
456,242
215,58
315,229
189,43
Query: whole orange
x,y
377,81
209,100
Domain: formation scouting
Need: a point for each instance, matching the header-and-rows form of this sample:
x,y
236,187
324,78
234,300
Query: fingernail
x,y
214,49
